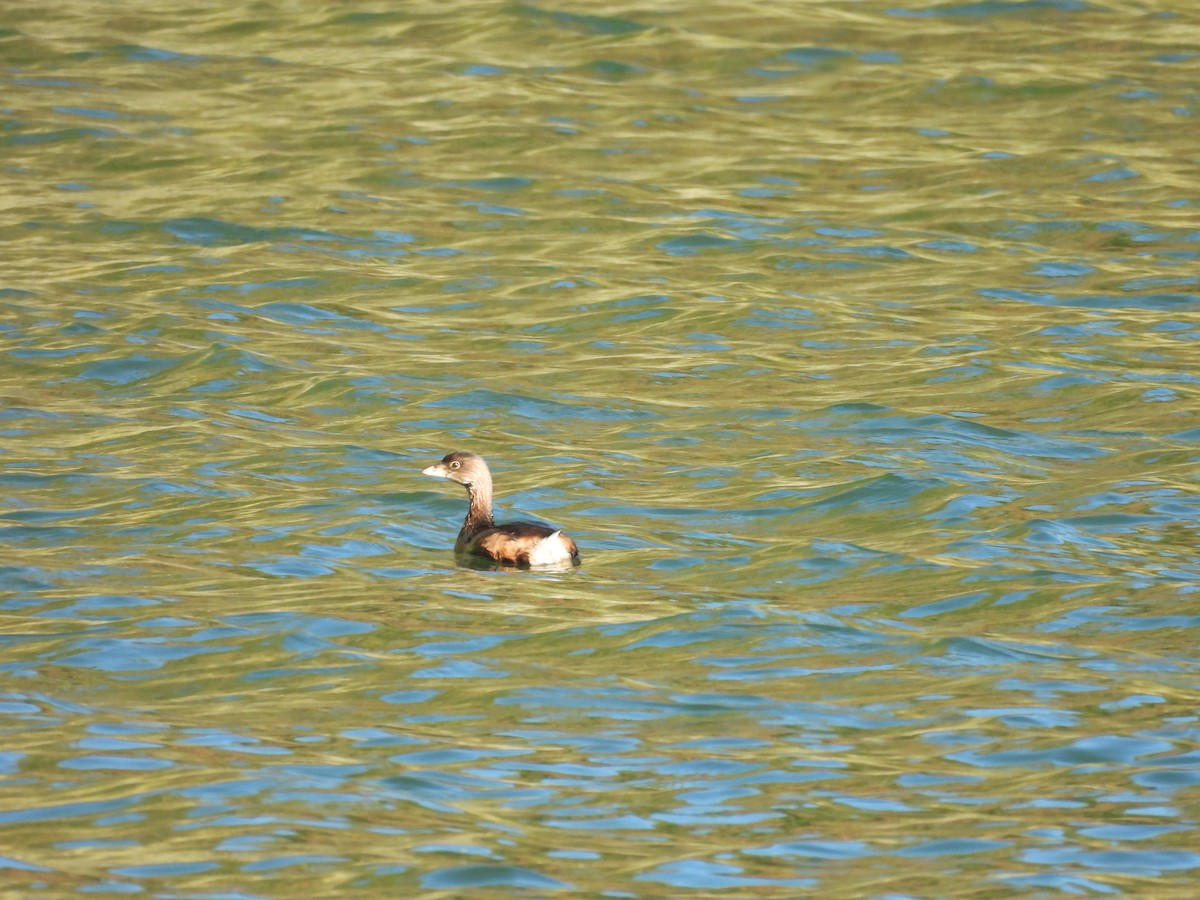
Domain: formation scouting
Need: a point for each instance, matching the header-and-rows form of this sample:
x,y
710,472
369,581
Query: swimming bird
x,y
527,544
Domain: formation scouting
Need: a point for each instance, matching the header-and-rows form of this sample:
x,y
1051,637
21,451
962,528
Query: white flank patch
x,y
550,551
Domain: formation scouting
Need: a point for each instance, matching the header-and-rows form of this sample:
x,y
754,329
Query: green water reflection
x,y
855,343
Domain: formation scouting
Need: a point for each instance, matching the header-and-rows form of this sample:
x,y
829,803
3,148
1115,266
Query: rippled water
x,y
855,343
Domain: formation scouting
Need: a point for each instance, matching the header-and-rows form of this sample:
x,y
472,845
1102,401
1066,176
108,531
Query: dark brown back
x,y
512,542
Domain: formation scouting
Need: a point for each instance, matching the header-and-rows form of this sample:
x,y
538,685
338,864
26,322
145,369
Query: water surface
x,y
855,343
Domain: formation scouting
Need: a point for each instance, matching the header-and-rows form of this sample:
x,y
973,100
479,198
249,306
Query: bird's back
x,y
521,544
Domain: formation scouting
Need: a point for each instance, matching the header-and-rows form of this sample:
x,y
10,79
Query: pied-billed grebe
x,y
514,543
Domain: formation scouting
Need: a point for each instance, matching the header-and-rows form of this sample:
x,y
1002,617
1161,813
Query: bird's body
x,y
529,544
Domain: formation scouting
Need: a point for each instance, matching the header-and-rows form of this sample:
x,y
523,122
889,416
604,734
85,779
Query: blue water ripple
x,y
703,875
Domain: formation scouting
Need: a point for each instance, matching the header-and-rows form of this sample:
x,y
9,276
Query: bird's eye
x,y
455,464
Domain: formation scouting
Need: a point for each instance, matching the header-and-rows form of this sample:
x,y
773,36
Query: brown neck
x,y
479,512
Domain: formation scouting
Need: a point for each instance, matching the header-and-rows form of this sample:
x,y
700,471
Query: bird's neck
x,y
479,510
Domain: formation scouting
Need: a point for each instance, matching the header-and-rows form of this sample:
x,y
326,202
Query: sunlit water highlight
x,y
856,345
